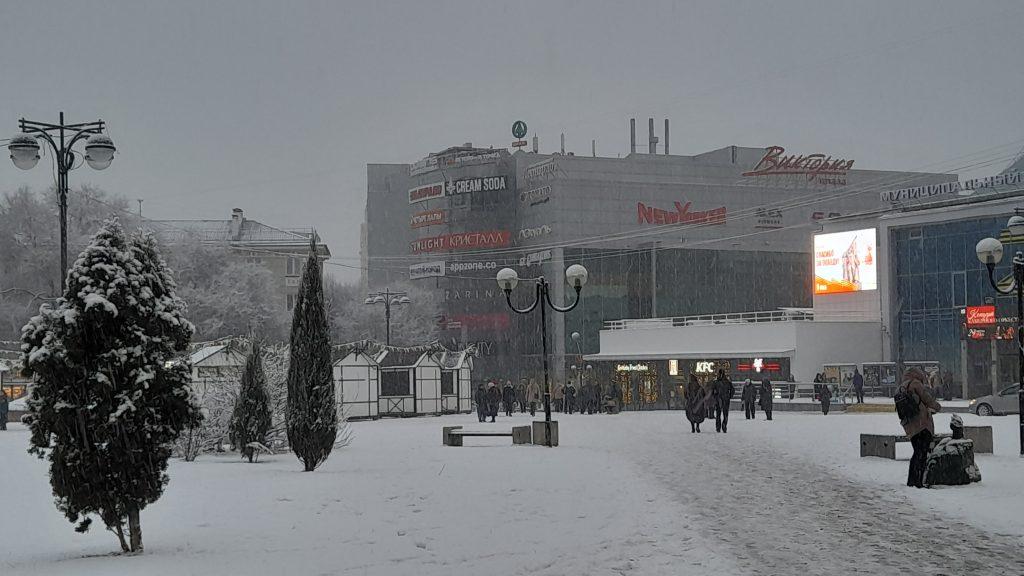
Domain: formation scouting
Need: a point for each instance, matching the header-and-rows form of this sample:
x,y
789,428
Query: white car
x,y
1005,402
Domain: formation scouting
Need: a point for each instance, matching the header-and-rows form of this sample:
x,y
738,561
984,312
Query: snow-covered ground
x,y
632,493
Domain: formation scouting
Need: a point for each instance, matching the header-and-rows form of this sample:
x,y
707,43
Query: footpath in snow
x,y
634,493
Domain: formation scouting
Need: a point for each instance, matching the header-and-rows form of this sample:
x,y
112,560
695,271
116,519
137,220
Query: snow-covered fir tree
x,y
312,418
250,420
111,393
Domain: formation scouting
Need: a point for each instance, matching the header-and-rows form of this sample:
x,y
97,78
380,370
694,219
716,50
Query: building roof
x,y
238,231
205,353
398,358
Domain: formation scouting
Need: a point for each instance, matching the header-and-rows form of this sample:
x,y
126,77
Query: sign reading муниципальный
x,y
953,187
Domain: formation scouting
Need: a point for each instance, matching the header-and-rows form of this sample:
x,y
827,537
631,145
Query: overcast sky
x,y
277,107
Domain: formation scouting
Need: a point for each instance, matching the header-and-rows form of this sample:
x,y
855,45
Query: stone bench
x,y
884,445
453,435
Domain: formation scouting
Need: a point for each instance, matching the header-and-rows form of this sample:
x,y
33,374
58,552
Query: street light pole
x,y
507,279
990,252
99,152
387,297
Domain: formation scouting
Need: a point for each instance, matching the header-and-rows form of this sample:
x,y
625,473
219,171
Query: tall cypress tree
x,y
312,418
110,396
250,419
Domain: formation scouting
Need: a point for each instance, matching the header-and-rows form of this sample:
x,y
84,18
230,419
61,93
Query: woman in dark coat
x,y
766,397
825,397
696,404
508,397
493,399
481,403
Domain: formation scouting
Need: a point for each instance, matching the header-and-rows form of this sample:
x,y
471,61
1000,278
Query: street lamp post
x,y
990,252
387,298
576,276
99,153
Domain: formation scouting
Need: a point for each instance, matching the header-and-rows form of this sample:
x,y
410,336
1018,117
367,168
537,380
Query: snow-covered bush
x,y
110,396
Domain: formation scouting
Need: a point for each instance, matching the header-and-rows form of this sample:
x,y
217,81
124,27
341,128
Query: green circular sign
x,y
519,129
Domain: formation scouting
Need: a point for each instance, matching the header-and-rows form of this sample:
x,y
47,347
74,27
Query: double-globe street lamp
x,y
576,276
99,153
388,299
990,252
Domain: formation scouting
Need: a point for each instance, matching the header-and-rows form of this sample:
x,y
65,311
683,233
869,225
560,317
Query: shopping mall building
x,y
898,285
724,231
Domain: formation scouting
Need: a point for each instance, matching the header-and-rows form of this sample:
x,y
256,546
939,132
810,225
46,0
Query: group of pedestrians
x,y
489,398
588,399
713,400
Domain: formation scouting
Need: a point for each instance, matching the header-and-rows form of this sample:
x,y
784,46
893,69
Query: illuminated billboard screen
x,y
845,262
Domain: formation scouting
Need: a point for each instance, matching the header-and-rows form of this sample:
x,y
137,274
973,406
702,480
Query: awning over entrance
x,y
691,354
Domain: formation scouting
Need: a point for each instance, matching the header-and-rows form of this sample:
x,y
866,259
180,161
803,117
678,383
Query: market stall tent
x,y
456,381
357,385
410,382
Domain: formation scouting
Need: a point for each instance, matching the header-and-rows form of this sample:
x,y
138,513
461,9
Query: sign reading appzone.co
x,y
427,218
426,192
426,270
461,241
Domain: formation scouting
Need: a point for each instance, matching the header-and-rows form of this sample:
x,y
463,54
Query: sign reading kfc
x,y
824,169
981,315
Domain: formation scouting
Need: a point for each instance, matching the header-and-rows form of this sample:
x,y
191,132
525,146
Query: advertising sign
x,y
981,315
681,215
426,192
845,262
945,188
427,218
535,258
426,270
544,169
489,321
536,195
823,169
455,267
536,232
486,184
461,241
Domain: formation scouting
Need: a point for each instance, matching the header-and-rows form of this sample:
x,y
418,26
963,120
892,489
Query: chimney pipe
x,y
536,144
632,135
593,148
652,140
666,136
563,143
237,217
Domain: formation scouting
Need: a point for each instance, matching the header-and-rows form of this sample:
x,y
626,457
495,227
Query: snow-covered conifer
x,y
250,420
111,393
312,418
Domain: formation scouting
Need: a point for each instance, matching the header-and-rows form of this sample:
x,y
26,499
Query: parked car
x,y
1006,402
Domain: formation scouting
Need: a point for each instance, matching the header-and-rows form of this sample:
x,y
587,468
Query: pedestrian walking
x,y
858,385
521,395
818,380
5,406
724,391
533,396
481,403
915,406
825,397
570,397
558,397
508,397
766,397
747,397
493,399
696,404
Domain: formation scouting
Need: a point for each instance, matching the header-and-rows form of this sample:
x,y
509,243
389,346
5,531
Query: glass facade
x,y
936,276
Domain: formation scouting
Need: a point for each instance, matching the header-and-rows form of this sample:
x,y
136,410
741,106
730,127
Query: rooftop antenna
x,y
666,136
632,135
563,143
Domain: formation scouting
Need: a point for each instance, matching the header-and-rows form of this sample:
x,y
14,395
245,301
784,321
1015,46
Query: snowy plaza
x,y
633,493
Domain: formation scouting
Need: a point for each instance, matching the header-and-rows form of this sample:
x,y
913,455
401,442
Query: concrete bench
x,y
884,445
453,435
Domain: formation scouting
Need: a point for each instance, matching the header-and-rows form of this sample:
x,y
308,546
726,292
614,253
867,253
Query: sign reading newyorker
x,y
426,270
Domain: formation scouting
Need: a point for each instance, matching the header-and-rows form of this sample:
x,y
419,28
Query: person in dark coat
x,y
570,397
747,397
4,407
818,379
508,397
724,391
920,428
521,395
481,403
493,399
766,399
696,404
825,397
858,385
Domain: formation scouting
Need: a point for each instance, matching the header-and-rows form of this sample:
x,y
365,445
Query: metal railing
x,y
784,315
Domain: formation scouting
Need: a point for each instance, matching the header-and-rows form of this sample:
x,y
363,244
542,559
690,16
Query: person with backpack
x,y
724,391
915,406
766,397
